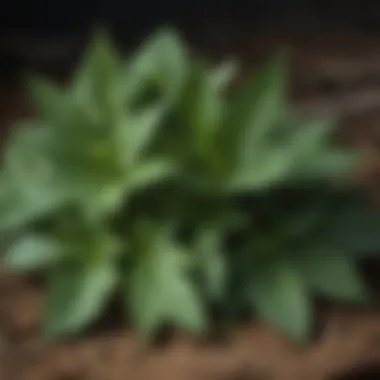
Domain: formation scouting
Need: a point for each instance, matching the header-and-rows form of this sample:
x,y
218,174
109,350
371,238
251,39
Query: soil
x,y
335,69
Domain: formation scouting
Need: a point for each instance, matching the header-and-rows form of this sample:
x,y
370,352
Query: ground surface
x,y
334,69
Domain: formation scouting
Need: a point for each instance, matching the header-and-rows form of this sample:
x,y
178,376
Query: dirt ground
x,y
334,69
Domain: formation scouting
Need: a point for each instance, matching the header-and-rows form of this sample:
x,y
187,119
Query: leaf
x,y
76,296
149,173
48,99
303,153
98,75
25,155
279,296
159,290
309,147
203,108
331,163
18,208
162,61
266,171
88,241
32,178
137,131
332,274
259,108
104,202
212,263
33,252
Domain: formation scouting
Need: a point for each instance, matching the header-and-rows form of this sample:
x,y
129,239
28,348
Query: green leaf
x,y
279,296
137,131
149,173
212,264
76,297
88,241
18,207
333,274
98,75
161,61
104,202
303,153
203,107
48,99
30,168
160,291
331,163
269,168
33,252
307,147
25,156
260,107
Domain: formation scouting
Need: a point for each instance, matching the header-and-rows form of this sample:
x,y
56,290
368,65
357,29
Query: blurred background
x,y
44,29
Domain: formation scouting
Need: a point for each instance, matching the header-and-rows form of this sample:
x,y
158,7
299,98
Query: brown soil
x,y
333,70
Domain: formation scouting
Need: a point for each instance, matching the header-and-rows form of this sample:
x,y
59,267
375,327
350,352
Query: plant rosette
x,y
152,180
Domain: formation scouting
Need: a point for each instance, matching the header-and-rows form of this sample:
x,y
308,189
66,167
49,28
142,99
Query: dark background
x,y
46,33
124,16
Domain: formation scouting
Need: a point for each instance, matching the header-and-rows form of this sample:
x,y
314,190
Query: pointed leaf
x,y
136,132
19,207
279,296
212,263
203,108
162,60
48,99
332,274
260,108
150,173
160,291
332,163
33,252
98,74
76,297
265,172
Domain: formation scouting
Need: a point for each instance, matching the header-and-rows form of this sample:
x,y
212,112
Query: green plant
x,y
154,180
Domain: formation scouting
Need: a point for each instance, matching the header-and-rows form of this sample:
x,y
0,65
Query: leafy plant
x,y
155,180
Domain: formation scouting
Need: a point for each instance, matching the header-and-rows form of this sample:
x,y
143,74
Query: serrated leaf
x,y
279,296
333,274
33,252
160,291
76,297
212,264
